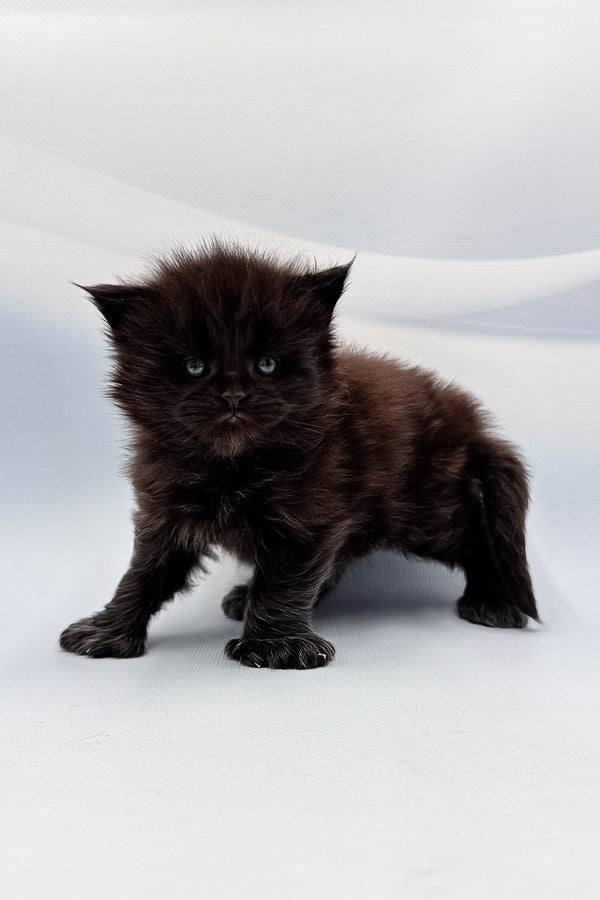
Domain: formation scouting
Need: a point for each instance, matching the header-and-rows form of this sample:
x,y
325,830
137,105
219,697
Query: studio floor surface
x,y
432,758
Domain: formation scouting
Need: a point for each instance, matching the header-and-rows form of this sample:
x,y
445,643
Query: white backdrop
x,y
453,145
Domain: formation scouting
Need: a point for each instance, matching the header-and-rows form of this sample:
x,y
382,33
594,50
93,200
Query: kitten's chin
x,y
235,435
231,442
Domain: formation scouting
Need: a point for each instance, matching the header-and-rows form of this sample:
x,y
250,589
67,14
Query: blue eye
x,y
196,368
266,365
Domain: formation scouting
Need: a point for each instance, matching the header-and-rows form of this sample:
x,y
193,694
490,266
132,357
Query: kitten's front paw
x,y
233,603
494,615
88,638
307,651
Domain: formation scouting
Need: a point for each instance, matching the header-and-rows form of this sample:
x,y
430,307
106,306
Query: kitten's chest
x,y
225,507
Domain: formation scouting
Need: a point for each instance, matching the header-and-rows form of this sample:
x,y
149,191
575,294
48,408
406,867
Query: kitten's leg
x,y
280,597
327,587
498,590
158,570
234,602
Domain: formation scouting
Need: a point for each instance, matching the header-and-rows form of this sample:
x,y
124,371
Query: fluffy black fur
x,y
254,431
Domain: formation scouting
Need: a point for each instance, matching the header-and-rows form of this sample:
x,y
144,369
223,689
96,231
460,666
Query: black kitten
x,y
254,432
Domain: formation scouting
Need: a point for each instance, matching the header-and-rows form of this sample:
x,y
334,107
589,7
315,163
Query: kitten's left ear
x,y
113,300
327,285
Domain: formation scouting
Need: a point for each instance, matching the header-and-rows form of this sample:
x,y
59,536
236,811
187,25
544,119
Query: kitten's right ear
x,y
113,300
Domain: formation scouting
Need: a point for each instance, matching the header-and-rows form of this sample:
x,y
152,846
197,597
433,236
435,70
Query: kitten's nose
x,y
234,398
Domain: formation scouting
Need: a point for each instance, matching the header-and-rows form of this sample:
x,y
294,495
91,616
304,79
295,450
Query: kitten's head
x,y
223,350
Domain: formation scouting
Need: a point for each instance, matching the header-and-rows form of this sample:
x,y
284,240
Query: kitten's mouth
x,y
233,418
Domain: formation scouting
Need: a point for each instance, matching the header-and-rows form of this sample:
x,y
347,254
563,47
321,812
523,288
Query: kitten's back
x,y
401,402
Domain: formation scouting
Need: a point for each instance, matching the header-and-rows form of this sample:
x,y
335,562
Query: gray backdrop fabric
x,y
453,146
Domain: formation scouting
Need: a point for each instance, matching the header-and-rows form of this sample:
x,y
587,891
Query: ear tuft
x,y
327,285
113,300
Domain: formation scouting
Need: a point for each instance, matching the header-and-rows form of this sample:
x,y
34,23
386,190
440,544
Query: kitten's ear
x,y
326,286
113,300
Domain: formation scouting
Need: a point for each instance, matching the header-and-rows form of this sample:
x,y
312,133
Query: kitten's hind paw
x,y
233,603
307,651
88,638
492,614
